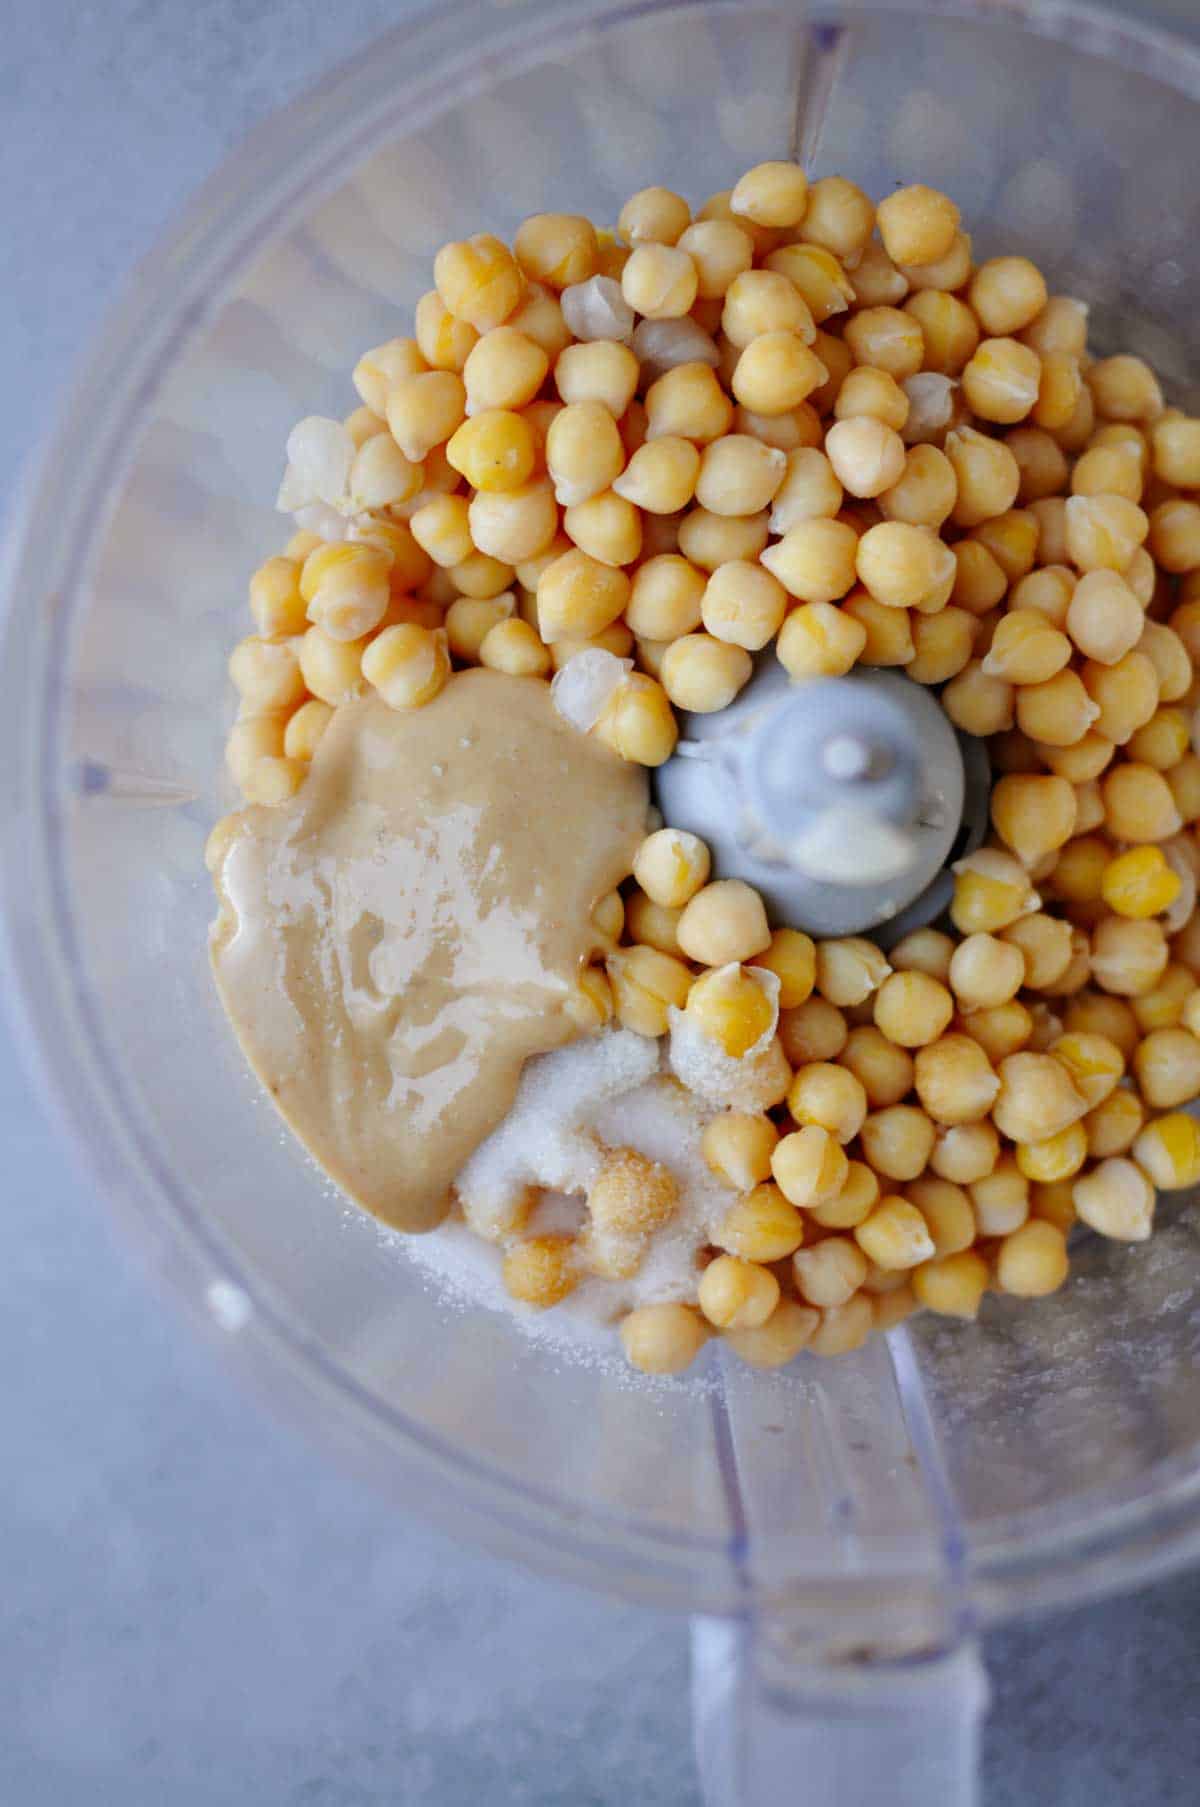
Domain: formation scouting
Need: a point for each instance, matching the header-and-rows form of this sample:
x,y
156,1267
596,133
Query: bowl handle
x,y
864,1733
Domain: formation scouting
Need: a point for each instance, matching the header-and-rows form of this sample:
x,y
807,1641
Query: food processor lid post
x,y
839,799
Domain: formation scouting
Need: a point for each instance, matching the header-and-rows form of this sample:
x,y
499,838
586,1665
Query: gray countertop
x,y
318,1648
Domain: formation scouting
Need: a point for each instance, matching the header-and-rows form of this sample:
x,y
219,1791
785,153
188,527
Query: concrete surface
x,y
318,1649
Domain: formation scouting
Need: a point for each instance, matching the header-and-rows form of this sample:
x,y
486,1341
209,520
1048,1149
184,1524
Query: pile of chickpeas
x,y
799,418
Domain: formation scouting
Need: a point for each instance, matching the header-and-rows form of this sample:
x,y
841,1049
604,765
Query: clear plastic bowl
x,y
877,1503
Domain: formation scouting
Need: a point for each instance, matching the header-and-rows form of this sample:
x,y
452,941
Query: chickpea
x,y
734,1008
946,1209
660,476
884,1070
831,1273
815,560
925,492
1116,1199
988,476
777,1342
723,923
1032,1261
898,1141
1002,380
653,216
739,475
688,402
877,281
792,957
949,331
1037,1098
903,566
829,1096
1168,1151
1125,388
809,1168
775,372
1042,462
1139,805
1033,815
1112,1126
977,703
888,638
986,972
703,674
913,1009
663,1339
1026,648
955,1080
540,1272
1166,1066
953,1286
1000,1200
1061,327
965,1152
918,225
866,454
709,540
838,217
1174,535
814,1030
887,339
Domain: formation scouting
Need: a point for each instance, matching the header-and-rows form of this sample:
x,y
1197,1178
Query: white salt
x,y
546,1140
754,1082
599,1093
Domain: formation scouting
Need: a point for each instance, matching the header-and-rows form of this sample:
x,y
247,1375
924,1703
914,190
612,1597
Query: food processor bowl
x,y
842,1528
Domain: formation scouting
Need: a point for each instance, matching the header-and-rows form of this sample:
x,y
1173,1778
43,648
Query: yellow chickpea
x,y
1037,1097
792,957
898,1141
903,566
1033,815
955,1080
953,1286
829,1274
777,1342
946,1209
814,1030
965,1152
1002,380
663,1339
815,560
829,1096
895,1236
556,249
703,674
809,1167
884,1070
913,1009
1116,1199
723,923
775,372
